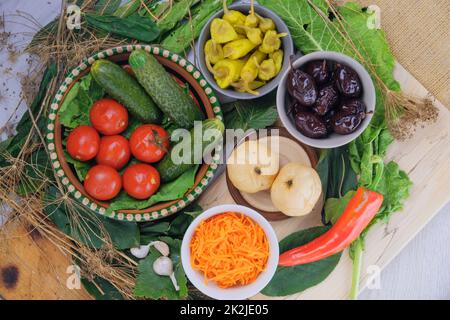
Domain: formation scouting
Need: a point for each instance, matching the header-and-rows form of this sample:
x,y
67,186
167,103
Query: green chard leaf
x,y
153,286
169,191
312,30
290,280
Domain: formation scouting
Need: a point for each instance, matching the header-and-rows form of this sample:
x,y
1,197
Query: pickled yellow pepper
x,y
267,70
222,31
255,35
244,87
265,24
226,71
232,16
213,51
252,20
271,41
277,57
238,48
250,70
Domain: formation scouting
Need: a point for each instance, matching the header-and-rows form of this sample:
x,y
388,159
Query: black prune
x,y
345,123
327,99
310,125
301,86
347,81
296,107
327,120
353,106
320,70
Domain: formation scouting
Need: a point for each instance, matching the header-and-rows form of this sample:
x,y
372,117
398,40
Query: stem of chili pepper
x,y
357,215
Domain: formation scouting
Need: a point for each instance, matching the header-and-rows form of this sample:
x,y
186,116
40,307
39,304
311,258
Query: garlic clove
x,y
141,251
162,247
163,266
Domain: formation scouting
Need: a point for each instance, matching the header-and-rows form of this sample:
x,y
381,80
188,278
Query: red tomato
x,y
149,143
83,143
141,180
109,117
114,151
102,182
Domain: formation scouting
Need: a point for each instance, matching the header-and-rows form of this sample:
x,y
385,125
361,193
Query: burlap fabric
x,y
419,34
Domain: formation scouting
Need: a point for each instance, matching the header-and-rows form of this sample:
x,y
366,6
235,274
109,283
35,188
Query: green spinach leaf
x,y
127,9
179,10
107,6
336,173
290,280
88,227
81,168
174,226
251,114
38,171
74,111
182,37
132,27
334,207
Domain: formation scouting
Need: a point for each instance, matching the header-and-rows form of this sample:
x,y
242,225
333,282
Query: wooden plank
x,y
426,159
31,267
42,268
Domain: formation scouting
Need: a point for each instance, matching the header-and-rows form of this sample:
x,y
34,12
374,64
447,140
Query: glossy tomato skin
x,y
141,180
103,182
114,151
109,117
83,143
149,143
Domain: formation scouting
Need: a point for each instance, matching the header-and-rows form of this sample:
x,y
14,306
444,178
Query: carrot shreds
x,y
230,249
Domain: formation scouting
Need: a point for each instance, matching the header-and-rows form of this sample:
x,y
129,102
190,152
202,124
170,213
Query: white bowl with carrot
x,y
230,252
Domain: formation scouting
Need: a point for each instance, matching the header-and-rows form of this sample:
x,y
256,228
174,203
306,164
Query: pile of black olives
x,y
325,97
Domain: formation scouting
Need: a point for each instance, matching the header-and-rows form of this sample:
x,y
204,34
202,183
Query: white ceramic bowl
x,y
239,292
334,140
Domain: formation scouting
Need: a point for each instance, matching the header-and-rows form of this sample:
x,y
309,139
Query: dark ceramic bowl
x,y
287,47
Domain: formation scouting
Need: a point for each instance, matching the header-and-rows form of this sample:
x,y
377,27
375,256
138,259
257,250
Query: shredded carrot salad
x,y
230,249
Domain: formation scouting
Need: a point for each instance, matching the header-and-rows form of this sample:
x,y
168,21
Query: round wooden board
x,y
261,201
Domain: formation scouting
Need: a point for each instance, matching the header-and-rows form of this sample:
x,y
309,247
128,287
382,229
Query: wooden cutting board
x,y
426,159
32,268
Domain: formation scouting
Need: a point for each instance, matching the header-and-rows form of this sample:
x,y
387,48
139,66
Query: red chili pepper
x,y
357,215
